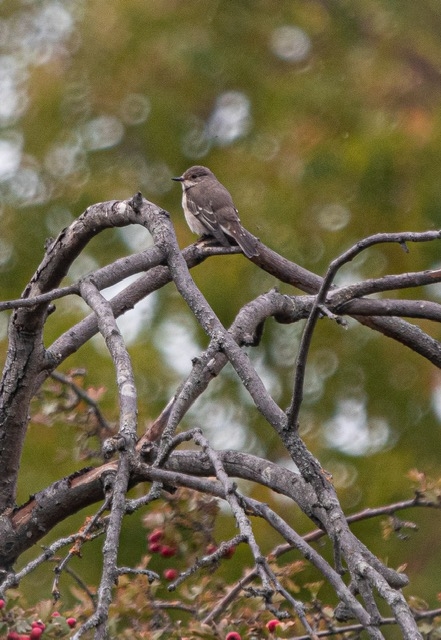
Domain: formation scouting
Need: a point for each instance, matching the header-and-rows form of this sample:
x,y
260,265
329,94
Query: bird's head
x,y
193,175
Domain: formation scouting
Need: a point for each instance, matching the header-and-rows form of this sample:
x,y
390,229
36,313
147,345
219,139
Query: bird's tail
x,y
246,241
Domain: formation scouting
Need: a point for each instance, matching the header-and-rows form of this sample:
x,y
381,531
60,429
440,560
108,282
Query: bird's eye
x,y
194,175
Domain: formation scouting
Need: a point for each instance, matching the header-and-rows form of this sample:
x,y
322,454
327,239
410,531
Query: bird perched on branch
x,y
209,210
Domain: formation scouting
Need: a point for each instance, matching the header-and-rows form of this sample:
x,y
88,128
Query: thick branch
x,y
26,364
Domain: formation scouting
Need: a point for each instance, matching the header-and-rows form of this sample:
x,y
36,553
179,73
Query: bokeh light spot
x,y
290,43
135,108
351,431
103,132
6,252
196,142
333,217
156,178
28,187
66,157
231,118
10,155
57,218
14,97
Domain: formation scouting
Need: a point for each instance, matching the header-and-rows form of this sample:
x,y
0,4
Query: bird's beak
x,y
179,179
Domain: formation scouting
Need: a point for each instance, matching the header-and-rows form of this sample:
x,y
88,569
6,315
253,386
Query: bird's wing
x,y
246,241
230,224
225,222
206,216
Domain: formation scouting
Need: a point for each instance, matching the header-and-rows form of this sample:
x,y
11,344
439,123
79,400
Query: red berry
x,y
55,614
155,535
25,637
233,635
38,623
155,547
167,552
272,624
71,622
2,603
171,574
228,553
211,548
36,633
13,635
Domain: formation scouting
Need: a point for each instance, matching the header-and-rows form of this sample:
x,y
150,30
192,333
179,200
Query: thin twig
x,y
55,294
83,395
344,258
83,536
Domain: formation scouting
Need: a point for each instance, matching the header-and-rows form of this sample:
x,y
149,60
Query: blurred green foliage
x,y
323,119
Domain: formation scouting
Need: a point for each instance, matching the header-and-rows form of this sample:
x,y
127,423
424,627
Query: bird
x,y
209,210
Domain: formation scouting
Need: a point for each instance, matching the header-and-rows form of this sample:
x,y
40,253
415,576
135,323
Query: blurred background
x,y
323,119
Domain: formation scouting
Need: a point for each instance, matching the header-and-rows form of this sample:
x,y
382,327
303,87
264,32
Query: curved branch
x,y
27,363
31,521
385,283
344,258
424,309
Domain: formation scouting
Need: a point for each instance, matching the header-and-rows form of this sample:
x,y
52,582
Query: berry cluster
x,y
37,627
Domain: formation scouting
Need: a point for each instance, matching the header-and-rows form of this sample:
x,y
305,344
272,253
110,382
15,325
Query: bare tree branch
x,y
154,458
127,440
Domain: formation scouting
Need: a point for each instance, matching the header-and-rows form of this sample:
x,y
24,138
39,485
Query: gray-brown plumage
x,y
209,210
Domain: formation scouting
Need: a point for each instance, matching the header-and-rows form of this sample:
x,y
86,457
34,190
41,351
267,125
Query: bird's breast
x,y
193,222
